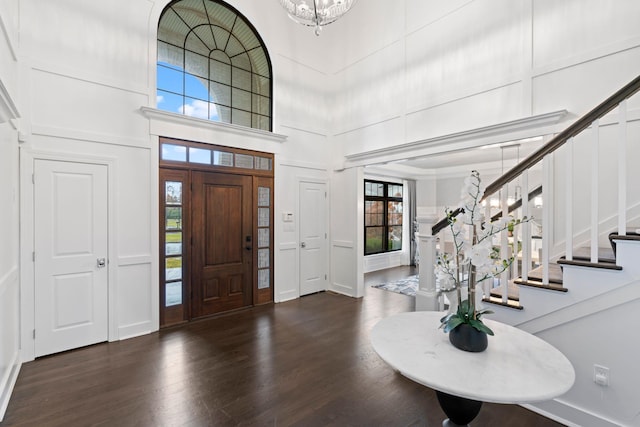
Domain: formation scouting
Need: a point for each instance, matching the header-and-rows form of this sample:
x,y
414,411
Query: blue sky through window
x,y
189,97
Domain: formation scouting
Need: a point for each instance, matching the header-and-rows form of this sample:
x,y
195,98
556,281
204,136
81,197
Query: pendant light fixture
x,y
316,13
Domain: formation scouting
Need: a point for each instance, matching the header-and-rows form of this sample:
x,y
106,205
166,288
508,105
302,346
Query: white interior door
x,y
313,237
70,221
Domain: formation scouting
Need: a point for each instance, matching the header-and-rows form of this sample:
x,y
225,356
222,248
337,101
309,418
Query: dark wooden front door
x,y
222,243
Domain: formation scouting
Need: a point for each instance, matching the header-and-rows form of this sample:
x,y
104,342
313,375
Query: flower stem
x,y
472,277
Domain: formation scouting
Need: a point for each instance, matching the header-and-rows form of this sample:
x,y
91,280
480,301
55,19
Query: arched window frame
x,y
238,77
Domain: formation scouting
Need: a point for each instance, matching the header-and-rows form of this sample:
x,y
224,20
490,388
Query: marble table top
x,y
517,367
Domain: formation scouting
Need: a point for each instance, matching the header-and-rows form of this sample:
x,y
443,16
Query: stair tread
x,y
605,255
583,263
555,274
628,236
513,293
509,304
633,233
538,284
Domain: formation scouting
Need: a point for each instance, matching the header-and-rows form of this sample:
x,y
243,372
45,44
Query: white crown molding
x,y
168,117
479,134
8,109
10,42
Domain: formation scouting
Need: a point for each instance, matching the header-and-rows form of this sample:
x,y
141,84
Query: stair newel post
x,y
427,296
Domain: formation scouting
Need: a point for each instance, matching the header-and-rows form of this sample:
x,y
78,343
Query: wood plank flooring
x,y
306,362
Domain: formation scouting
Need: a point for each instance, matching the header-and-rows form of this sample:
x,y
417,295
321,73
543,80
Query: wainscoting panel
x,y
10,332
382,261
137,300
286,272
343,277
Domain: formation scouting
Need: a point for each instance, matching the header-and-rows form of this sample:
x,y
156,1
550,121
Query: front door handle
x,y
102,262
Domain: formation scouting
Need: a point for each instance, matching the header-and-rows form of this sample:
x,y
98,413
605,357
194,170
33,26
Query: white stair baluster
x,y
622,169
547,190
526,227
569,200
595,148
504,245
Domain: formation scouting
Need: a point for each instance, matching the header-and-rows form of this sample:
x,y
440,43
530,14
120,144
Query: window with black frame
x,y
382,217
213,64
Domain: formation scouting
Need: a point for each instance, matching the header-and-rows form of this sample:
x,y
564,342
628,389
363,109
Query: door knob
x,y
102,262
303,245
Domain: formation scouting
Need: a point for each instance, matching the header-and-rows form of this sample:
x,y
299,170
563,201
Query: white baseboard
x,y
287,296
342,289
8,382
135,330
427,302
569,415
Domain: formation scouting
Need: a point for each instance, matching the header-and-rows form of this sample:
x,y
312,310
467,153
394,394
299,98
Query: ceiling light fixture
x,y
316,13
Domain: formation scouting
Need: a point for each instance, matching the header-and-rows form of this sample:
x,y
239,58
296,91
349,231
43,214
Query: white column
x,y
427,298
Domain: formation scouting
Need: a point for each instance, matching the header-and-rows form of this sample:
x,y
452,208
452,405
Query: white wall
x,y
347,232
85,77
576,340
287,200
9,269
432,69
607,189
88,70
9,201
80,71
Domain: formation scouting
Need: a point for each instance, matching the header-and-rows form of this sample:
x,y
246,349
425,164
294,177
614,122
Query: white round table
x,y
517,367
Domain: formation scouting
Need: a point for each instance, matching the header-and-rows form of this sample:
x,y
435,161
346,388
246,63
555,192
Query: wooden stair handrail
x,y
518,203
556,142
512,207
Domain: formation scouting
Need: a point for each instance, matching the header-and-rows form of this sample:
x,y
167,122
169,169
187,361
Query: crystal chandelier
x,y
316,13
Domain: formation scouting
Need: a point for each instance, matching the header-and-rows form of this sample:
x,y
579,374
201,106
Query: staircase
x,y
560,157
581,290
574,277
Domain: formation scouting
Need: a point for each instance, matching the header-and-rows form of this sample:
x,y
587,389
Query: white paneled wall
x,y
79,72
9,202
287,271
347,232
9,268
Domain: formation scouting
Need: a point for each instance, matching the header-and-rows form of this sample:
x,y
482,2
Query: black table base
x,y
460,411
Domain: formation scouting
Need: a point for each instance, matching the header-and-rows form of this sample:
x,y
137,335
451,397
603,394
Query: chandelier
x,y
316,13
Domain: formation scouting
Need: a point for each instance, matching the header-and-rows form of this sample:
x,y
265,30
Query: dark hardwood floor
x,y
306,362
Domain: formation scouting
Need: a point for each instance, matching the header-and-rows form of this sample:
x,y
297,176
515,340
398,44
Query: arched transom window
x,y
212,64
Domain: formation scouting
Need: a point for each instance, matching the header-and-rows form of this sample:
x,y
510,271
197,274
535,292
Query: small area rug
x,y
406,286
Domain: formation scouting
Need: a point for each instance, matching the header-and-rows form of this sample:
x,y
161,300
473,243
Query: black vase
x,y
467,338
